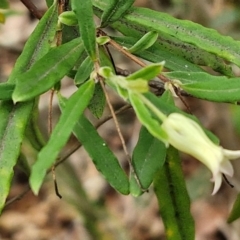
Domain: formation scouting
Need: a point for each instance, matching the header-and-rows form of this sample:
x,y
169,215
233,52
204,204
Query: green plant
x,y
4,5
181,47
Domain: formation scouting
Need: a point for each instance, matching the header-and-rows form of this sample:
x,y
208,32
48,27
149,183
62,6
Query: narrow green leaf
x,y
186,31
177,48
4,4
32,132
47,71
158,53
227,90
5,109
102,4
84,12
173,199
102,156
38,43
115,10
169,48
12,127
209,87
6,90
84,71
14,118
74,109
186,77
97,103
49,2
148,157
144,42
69,33
147,73
235,212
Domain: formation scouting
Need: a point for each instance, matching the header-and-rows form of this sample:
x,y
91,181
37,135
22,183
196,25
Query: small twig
x,y
132,170
18,197
55,182
114,118
100,79
178,92
61,8
119,111
50,127
49,132
32,8
110,57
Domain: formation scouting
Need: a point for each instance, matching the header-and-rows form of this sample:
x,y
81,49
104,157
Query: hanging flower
x,y
187,136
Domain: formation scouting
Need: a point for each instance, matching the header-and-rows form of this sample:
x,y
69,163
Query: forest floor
x,y
89,206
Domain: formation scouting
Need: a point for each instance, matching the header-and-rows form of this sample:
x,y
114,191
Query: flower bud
x,y
68,18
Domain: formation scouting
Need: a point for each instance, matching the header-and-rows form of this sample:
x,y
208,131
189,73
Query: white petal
x,y
226,168
217,183
230,154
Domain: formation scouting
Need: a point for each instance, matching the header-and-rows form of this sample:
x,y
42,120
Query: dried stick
x,y
18,197
32,8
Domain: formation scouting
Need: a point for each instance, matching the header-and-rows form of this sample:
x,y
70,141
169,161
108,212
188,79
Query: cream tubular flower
x,y
187,136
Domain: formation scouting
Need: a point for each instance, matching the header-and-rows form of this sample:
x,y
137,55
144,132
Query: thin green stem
x,y
153,108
